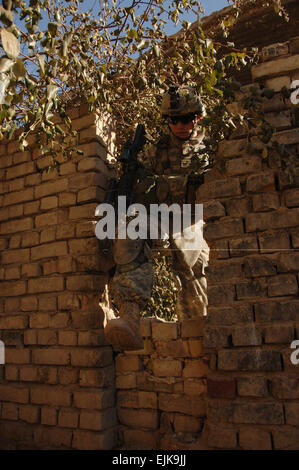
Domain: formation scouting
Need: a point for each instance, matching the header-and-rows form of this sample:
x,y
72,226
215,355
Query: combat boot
x,y
123,332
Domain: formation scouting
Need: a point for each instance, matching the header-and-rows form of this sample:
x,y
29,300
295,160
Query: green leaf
x,y
5,64
51,92
10,44
19,69
41,61
132,34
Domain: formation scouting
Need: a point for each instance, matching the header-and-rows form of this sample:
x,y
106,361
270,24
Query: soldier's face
x,y
182,129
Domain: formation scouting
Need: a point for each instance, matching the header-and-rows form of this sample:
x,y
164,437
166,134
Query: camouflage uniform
x,y
162,179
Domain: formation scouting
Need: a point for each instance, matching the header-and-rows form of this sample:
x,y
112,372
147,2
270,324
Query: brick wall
x,y
57,386
228,382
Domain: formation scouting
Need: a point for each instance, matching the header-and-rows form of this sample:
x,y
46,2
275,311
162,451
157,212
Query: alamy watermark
x,y
161,222
2,352
295,354
295,94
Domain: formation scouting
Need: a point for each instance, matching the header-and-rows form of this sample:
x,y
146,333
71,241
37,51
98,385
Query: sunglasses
x,y
183,119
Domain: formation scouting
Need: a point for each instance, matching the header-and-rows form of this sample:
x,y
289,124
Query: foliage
x,y
56,55
165,289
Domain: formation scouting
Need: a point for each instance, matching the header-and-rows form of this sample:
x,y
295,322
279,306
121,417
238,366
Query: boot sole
x,y
119,334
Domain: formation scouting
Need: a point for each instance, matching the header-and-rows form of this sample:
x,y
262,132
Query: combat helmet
x,y
180,100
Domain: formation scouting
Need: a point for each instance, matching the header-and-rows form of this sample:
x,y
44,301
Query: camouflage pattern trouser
x,y
133,278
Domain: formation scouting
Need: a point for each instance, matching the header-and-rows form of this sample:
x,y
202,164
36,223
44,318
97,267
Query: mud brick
x,y
91,194
275,67
168,348
33,180
15,241
221,294
98,421
67,168
221,438
49,202
29,304
246,336
186,404
126,381
50,395
3,244
287,137
216,273
166,368
285,387
216,337
53,187
287,262
15,322
5,161
93,400
67,199
272,220
20,170
86,180
126,363
195,368
85,229
295,240
279,120
50,218
18,196
259,266
105,377
219,189
86,320
196,387
283,284
48,416
46,284
11,372
258,413
28,413
195,347
232,148
256,359
85,283
256,386
67,375
147,419
94,163
15,256
30,337
275,311
92,358
164,331
14,394
86,440
58,438
47,337
83,122
278,83
67,338
213,210
12,272
283,334
274,241
245,165
14,226
31,207
16,185
286,439
225,228
50,356
87,211
192,328
265,202
49,250
30,239
292,197
65,231
238,207
47,235
275,50
12,304
255,439
68,418
187,424
47,303
12,288
260,182
10,411
292,413
243,246
221,387
84,246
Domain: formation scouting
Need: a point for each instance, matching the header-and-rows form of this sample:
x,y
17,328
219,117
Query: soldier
x,y
166,177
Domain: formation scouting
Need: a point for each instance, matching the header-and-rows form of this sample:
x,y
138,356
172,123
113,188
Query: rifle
x,y
125,185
